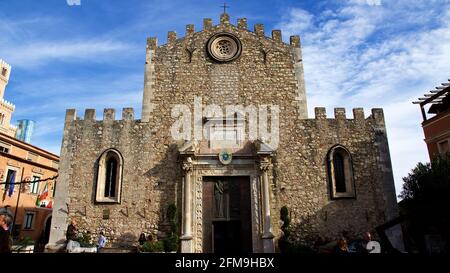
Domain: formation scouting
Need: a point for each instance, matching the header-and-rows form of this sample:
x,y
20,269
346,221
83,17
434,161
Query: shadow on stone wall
x,y
328,224
125,240
166,176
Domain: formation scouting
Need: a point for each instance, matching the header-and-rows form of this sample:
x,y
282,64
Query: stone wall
x,y
268,72
302,184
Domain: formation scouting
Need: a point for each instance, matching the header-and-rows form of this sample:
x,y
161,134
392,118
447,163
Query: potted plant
x,y
24,245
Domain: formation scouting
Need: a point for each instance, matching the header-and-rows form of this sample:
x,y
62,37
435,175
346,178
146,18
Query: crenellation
x,y
276,35
358,114
295,41
128,114
71,115
339,113
224,19
320,112
152,43
242,23
207,24
190,29
259,30
378,116
89,115
6,66
171,37
109,114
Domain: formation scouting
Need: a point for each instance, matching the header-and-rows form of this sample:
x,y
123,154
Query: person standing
x,y
5,240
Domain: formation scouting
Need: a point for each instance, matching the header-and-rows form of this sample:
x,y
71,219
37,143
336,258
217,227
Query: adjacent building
x,y
6,107
435,107
25,128
30,203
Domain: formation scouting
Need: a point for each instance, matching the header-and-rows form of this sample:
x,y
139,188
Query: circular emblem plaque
x,y
225,157
224,47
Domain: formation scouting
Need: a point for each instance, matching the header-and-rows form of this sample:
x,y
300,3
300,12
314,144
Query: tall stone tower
x,y
6,108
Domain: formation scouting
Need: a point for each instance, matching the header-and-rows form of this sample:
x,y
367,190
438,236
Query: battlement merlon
x,y
207,24
358,115
190,29
109,115
5,65
171,37
225,21
242,23
8,105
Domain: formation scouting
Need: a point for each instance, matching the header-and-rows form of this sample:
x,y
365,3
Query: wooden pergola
x,y
434,97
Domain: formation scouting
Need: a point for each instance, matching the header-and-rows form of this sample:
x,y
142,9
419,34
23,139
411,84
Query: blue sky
x,y
357,53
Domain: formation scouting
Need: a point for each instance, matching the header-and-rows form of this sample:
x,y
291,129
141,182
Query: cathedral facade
x,y
227,172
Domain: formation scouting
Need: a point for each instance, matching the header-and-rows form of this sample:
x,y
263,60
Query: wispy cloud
x,y
377,55
34,54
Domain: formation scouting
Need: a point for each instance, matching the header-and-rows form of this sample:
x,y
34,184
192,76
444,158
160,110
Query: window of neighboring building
x,y
4,147
29,220
2,118
35,186
4,72
340,173
109,177
444,146
9,177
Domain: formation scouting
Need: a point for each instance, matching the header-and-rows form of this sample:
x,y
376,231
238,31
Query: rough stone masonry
x,y
158,171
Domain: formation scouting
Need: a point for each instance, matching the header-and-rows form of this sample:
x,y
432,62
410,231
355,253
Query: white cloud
x,y
28,43
73,2
35,54
298,20
359,55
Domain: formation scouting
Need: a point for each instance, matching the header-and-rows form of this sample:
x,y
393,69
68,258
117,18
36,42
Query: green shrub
x,y
284,216
171,243
26,241
153,246
85,240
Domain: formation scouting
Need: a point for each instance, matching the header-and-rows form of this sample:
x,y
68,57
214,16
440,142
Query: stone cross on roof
x,y
225,7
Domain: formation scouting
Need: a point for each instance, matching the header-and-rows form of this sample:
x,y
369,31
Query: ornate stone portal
x,y
197,166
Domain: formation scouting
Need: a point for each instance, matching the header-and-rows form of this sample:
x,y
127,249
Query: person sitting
x,y
72,235
341,246
101,241
142,239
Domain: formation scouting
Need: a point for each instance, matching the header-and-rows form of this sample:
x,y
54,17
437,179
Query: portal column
x,y
186,238
267,235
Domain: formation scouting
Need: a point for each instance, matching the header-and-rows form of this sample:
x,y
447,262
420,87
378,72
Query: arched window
x,y
111,173
340,173
109,177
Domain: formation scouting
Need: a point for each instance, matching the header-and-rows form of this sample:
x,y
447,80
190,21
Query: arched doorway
x,y
48,224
